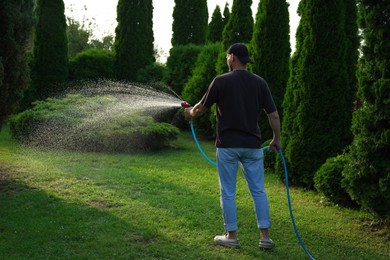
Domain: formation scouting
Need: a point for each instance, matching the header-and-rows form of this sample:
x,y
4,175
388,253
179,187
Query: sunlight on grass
x,y
162,205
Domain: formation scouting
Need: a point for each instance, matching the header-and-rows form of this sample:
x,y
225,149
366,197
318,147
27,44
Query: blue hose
x,y
287,189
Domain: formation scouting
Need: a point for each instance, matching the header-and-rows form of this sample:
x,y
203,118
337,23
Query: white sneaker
x,y
228,242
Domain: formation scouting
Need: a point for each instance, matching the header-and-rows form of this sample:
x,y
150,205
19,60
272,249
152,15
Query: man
x,y
240,96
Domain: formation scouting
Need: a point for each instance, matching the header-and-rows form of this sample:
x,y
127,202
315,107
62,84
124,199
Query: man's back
x,y
240,96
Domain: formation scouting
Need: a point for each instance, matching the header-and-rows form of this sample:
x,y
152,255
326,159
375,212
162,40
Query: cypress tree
x,y
317,105
226,15
50,64
133,45
238,29
215,27
367,176
16,20
352,46
189,22
270,50
240,25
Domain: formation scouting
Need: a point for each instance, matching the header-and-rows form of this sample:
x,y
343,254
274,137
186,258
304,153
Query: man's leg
x,y
227,162
252,161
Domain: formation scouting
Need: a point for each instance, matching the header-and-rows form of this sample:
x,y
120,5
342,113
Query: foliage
x,y
239,28
270,51
215,27
328,179
16,21
134,38
352,44
317,107
92,64
367,176
154,72
226,15
180,64
240,25
202,75
89,124
78,37
50,65
105,43
189,22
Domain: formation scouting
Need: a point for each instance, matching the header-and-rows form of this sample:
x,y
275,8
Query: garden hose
x,y
287,189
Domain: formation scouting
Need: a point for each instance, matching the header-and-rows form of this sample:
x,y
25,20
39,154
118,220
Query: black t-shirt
x,y
240,97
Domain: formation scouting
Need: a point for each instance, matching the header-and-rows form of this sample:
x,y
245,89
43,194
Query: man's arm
x,y
196,110
274,122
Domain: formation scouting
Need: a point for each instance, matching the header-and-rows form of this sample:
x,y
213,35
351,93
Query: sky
x,y
102,14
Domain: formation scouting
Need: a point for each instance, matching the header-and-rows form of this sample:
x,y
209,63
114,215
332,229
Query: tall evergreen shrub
x,y
16,20
239,28
202,75
134,38
50,63
226,15
367,177
215,27
318,103
270,50
180,64
240,25
189,22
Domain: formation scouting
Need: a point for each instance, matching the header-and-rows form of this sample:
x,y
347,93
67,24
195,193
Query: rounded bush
x,y
92,64
98,123
328,179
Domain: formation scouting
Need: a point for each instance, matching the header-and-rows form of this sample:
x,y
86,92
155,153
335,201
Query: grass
x,y
162,205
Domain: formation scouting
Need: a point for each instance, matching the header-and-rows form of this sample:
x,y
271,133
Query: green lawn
x,y
162,205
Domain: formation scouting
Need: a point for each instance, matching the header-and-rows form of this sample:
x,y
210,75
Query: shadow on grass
x,y
169,215
38,225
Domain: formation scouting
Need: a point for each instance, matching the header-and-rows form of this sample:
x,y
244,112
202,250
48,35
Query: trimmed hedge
x,y
89,124
92,64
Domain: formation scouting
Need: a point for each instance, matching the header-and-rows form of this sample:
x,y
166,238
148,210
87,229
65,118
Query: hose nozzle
x,y
185,104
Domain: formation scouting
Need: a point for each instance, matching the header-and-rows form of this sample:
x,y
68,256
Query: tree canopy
x,y
189,22
134,39
16,22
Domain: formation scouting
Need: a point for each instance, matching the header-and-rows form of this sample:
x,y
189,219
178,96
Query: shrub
x,y
152,73
89,124
180,64
327,180
92,64
202,75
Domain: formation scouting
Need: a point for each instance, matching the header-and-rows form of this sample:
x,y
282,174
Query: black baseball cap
x,y
241,52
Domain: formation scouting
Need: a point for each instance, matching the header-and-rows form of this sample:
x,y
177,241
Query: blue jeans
x,y
228,160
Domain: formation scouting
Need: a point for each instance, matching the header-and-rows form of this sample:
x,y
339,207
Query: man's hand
x,y
275,145
197,110
274,122
187,113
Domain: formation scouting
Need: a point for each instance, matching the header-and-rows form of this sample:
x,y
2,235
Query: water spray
x,y
185,104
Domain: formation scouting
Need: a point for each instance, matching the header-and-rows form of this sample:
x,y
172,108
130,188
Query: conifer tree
x,y
240,25
16,20
367,176
189,22
317,105
134,39
226,15
215,27
50,64
353,41
270,50
238,29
